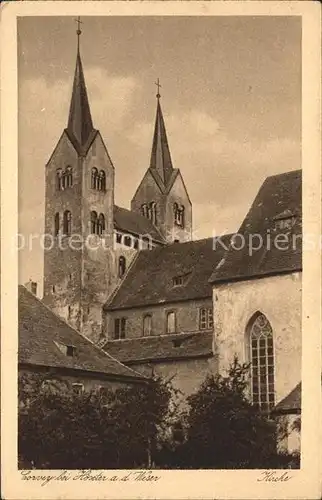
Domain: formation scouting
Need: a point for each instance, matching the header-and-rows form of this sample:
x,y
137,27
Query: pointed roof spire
x,y
80,125
160,155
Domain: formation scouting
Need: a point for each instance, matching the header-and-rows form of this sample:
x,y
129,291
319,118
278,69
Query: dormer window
x,y
284,221
178,212
178,280
66,349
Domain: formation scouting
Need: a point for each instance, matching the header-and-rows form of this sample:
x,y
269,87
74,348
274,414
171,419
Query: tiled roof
x,y
134,223
40,328
280,197
291,403
165,347
150,279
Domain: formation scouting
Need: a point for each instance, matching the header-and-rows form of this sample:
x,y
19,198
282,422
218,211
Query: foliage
x,y
221,429
114,429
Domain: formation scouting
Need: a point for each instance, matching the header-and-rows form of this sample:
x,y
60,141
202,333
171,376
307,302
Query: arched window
x,y
101,181
69,176
147,325
128,241
67,222
178,212
171,322
94,178
144,210
262,362
59,179
153,212
122,266
57,223
94,221
101,224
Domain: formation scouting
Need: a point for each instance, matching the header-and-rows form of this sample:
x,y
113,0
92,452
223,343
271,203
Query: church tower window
x,y
94,222
178,215
101,181
262,362
67,223
59,179
144,210
56,224
94,178
68,177
122,266
101,224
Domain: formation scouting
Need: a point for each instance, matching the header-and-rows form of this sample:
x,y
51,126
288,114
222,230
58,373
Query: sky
x,y
231,100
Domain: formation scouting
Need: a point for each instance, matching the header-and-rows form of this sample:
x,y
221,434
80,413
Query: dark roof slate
x,y
280,196
40,328
291,403
150,279
160,156
165,347
134,223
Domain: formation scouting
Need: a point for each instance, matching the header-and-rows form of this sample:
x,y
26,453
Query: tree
x,y
222,429
110,429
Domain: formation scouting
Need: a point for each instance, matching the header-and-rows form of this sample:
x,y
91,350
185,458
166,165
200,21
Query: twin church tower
x,y
95,241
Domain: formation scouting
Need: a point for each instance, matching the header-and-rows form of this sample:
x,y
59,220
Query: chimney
x,y
32,287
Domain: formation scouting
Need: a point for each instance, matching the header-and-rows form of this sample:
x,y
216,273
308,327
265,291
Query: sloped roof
x,y
40,328
279,197
134,223
150,279
80,126
291,403
165,347
160,156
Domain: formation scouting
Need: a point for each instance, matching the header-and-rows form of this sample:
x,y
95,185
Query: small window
x,y
68,176
171,322
69,312
101,181
94,178
118,238
119,328
71,351
178,214
178,280
101,224
67,223
147,325
206,318
136,244
56,224
78,388
127,241
59,179
54,289
144,210
94,222
122,266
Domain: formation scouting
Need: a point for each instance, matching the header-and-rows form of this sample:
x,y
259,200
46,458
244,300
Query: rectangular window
x,y
206,321
118,238
171,322
178,280
119,328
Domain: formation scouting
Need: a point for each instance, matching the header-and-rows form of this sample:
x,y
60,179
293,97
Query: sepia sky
x,y
231,100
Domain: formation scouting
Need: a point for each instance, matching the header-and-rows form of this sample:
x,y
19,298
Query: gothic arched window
x,y
67,223
101,224
144,210
59,179
262,362
147,325
153,212
101,181
56,224
122,266
94,178
94,220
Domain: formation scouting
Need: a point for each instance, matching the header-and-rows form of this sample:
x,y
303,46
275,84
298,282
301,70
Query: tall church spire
x,y
80,123
160,155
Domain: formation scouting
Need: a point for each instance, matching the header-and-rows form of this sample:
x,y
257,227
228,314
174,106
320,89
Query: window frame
x,y
206,318
147,316
168,313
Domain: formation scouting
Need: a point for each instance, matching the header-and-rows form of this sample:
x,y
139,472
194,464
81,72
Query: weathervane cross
x,y
157,83
79,31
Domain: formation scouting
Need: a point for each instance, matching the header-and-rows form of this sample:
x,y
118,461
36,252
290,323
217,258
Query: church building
x,y
136,284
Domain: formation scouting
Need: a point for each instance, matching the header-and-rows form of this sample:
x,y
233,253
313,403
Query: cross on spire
x,y
157,83
79,31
